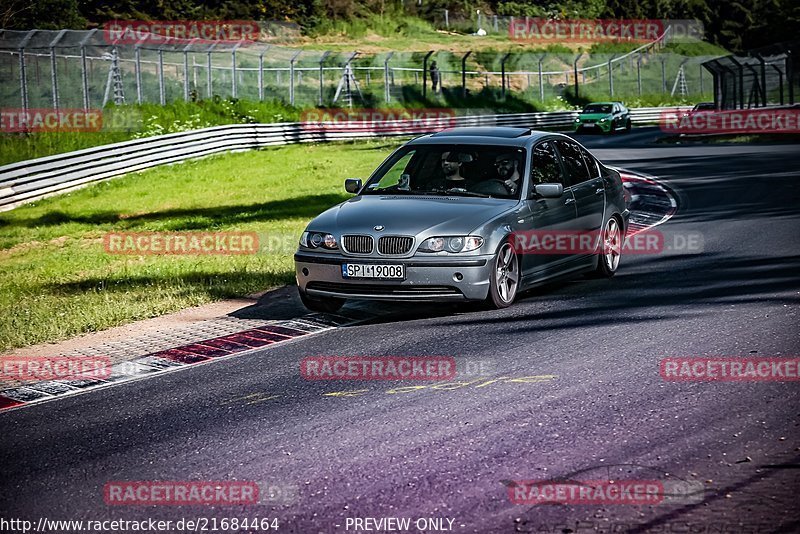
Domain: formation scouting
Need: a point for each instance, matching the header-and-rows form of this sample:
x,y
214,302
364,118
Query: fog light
x,y
458,277
305,271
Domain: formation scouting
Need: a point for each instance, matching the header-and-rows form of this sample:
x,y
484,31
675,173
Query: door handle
x,y
569,201
598,191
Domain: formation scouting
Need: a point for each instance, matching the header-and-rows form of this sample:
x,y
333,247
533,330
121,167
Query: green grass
x,y
147,120
59,282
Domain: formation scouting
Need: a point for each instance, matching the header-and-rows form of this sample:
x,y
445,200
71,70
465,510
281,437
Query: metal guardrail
x,y
27,181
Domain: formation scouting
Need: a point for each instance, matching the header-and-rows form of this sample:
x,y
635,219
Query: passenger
x,y
451,167
508,171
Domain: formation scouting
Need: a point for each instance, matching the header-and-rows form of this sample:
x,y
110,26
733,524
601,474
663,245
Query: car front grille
x,y
395,245
358,244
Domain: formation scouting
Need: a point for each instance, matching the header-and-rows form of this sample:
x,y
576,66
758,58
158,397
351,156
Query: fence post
x,y
23,72
446,19
790,76
541,79
209,79
639,73
425,73
464,74
701,80
611,75
740,68
780,81
186,69
575,72
387,92
291,76
663,75
503,76
84,73
261,73
138,72
23,81
322,59
763,65
54,68
162,97
233,69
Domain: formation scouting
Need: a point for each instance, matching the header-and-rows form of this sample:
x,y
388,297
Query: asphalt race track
x,y
596,409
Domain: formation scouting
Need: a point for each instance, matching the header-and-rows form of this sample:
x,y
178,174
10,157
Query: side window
x,y
545,167
591,163
573,161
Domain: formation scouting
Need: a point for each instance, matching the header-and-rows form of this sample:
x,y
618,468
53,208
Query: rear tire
x,y
611,253
628,126
504,278
322,304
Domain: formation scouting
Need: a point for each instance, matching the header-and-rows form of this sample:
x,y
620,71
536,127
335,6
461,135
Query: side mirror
x,y
549,190
352,185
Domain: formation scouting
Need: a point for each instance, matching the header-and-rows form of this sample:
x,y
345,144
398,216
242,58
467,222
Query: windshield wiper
x,y
463,192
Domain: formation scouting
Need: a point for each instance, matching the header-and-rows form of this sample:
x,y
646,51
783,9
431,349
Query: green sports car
x,y
605,117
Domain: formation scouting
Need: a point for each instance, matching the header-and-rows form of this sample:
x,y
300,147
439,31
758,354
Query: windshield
x,y
465,170
597,108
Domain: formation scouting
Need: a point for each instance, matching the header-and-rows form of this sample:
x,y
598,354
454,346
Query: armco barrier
x,y
26,181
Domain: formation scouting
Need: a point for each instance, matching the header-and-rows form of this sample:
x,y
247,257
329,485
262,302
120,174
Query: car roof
x,y
602,103
482,135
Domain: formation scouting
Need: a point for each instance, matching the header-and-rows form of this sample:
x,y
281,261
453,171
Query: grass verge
x,y
60,282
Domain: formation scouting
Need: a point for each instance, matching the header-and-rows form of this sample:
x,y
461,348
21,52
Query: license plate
x,y
368,270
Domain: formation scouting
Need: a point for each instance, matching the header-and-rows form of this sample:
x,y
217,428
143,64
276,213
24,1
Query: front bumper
x,y
427,279
604,127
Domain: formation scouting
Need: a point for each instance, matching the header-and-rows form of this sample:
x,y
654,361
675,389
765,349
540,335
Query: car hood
x,y
409,215
594,116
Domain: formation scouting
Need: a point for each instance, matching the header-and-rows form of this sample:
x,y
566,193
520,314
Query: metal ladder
x,y
114,81
680,83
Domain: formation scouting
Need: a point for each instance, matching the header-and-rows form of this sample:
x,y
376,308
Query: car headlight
x,y
578,119
453,244
318,239
604,119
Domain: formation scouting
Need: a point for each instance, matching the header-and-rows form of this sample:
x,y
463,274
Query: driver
x,y
508,171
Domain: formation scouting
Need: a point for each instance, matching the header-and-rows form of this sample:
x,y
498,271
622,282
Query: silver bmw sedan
x,y
466,214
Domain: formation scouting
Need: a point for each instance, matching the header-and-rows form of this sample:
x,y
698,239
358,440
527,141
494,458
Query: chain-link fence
x,y
764,77
84,69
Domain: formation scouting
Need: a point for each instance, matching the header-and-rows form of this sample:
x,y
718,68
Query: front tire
x,y
504,278
321,304
611,252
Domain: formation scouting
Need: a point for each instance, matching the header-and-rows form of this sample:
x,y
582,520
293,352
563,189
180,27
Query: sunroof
x,y
489,131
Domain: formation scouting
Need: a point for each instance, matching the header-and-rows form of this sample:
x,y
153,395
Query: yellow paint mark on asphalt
x,y
252,398
353,393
